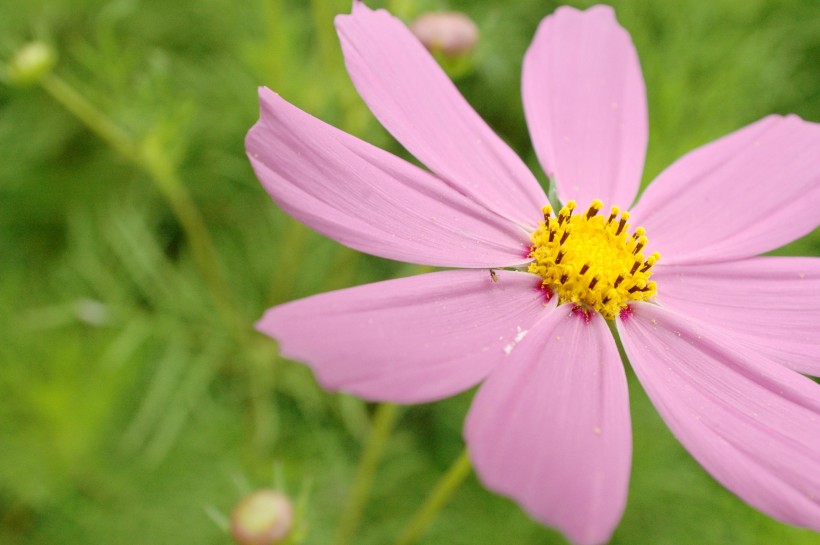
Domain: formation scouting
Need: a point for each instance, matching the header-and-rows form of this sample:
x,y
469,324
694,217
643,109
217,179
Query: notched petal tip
x,y
266,99
606,15
267,102
267,323
810,125
263,91
357,9
563,11
600,11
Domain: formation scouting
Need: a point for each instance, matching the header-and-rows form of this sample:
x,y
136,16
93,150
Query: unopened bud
x,y
91,312
450,33
31,63
263,518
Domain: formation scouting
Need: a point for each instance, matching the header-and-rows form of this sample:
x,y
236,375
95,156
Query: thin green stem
x,y
93,118
155,162
438,498
323,12
383,422
354,116
162,173
276,35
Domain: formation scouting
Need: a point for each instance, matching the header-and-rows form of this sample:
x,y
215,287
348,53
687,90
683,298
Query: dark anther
x,y
584,269
635,267
638,248
564,278
633,289
621,226
564,237
591,212
618,280
592,284
559,257
646,267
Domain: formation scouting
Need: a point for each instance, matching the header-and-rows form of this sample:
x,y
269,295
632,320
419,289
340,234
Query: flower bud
x,y
31,63
450,33
92,312
262,518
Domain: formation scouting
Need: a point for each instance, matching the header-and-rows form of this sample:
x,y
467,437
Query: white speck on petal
x,y
518,336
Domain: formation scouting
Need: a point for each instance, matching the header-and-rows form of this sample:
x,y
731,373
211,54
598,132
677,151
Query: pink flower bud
x,y
449,32
263,518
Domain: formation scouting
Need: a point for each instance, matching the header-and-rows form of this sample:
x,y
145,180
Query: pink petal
x,y
751,423
550,428
585,103
414,100
371,200
410,340
747,193
769,303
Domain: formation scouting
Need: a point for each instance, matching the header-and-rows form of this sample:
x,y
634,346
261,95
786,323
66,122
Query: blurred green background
x,y
137,249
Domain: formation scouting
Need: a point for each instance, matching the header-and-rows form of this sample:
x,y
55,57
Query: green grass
x,y
134,393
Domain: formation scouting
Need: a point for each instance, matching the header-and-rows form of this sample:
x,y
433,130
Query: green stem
x,y
355,118
276,40
323,12
437,499
160,170
153,160
383,422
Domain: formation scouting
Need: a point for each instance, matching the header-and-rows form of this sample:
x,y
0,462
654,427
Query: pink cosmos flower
x,y
717,337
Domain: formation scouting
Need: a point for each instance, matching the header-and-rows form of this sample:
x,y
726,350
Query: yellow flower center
x,y
592,261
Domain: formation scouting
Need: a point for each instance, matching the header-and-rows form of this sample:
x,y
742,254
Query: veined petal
x,y
769,303
414,99
744,194
550,427
410,340
751,423
585,103
371,200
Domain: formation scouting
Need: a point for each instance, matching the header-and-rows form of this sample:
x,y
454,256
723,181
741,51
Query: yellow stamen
x,y
591,261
